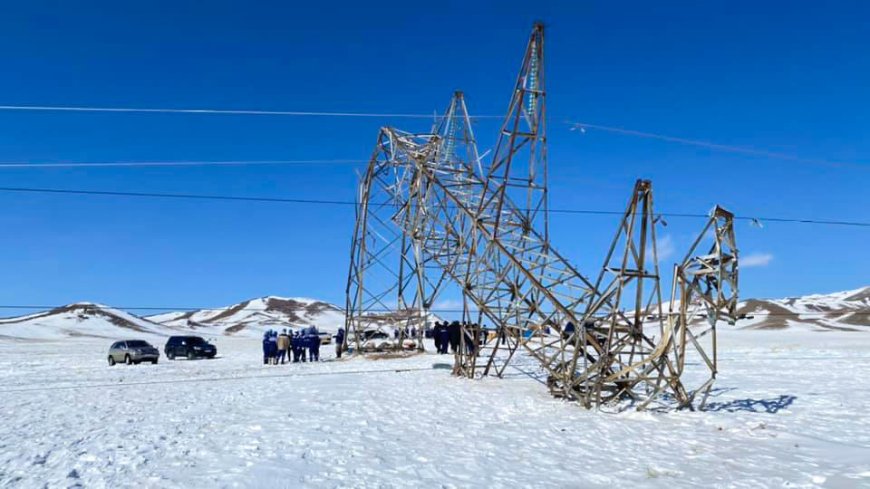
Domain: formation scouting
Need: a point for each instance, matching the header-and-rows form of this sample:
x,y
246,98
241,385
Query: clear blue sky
x,y
783,76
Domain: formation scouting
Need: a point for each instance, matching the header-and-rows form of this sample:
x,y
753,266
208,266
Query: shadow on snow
x,y
770,406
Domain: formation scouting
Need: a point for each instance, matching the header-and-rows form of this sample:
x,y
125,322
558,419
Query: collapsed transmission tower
x,y
705,292
484,230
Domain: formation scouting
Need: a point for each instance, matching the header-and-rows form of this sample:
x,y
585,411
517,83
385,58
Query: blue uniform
x,y
444,338
294,347
265,348
299,341
273,346
313,344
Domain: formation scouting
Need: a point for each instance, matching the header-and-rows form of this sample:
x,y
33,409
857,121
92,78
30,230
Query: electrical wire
x,y
175,196
163,110
583,126
111,193
136,164
727,148
186,309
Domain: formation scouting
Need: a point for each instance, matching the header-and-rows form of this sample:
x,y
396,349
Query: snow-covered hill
x,y
246,319
848,310
250,318
80,319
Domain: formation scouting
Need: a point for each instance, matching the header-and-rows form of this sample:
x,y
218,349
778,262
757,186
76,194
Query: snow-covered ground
x,y
789,411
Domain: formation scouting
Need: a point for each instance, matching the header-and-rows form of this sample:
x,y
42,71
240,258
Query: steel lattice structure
x,y
704,292
485,231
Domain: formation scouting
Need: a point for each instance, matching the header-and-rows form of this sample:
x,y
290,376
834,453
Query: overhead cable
x,y
111,193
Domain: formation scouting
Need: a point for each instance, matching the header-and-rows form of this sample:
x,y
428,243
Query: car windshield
x,y
195,340
137,344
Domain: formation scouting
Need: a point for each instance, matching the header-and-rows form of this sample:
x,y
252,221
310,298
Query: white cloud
x,y
755,260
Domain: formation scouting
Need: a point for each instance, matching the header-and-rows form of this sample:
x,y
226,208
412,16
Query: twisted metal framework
x,y
704,292
485,231
387,283
625,315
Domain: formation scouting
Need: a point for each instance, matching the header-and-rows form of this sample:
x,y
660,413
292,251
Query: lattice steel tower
x,y
484,229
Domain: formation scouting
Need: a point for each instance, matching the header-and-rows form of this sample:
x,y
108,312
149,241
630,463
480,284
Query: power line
x,y
297,113
136,164
109,193
178,309
706,216
714,146
175,196
574,125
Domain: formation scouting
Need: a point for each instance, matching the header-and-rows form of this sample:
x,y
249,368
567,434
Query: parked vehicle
x,y
132,352
325,338
190,347
375,340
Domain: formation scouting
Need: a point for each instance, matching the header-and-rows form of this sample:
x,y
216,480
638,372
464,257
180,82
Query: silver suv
x,y
132,351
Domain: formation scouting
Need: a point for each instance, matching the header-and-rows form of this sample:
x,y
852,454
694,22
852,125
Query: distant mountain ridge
x,y
79,319
245,319
252,317
839,311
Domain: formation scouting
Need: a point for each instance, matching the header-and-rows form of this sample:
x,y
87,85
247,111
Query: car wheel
x,y
170,356
111,360
191,355
128,360
154,362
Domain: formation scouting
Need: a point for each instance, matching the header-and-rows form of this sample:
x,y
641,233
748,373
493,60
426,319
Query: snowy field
x,y
790,410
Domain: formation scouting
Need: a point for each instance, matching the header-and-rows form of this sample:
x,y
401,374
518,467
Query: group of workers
x,y
296,346
304,345
447,336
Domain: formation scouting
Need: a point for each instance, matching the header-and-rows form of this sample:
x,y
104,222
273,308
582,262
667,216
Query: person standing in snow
x,y
339,342
303,346
283,344
439,334
273,347
265,348
313,344
435,330
302,342
454,334
294,346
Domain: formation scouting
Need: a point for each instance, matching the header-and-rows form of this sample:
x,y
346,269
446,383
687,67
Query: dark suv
x,y
190,347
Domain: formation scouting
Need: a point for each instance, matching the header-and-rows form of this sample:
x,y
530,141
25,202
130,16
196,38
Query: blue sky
x,y
781,76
